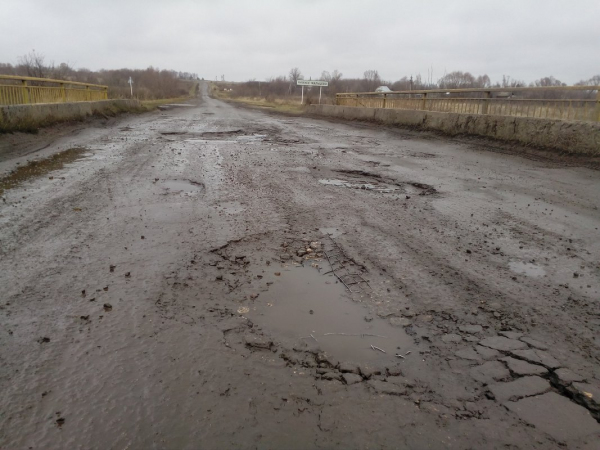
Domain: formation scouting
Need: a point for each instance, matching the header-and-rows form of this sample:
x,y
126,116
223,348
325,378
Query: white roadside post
x,y
319,83
131,86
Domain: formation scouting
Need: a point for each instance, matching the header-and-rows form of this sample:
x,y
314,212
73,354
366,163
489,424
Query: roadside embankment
x,y
31,117
581,138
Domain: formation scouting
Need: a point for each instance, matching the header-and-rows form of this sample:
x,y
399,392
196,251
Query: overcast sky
x,y
526,39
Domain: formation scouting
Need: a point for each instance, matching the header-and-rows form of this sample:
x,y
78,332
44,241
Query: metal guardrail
x,y
494,101
27,90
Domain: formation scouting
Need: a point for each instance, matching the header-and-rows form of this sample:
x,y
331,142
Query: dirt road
x,y
215,277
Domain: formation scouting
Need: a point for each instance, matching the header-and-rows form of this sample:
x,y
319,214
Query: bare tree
x,y
548,81
295,75
507,81
457,80
483,81
371,80
33,63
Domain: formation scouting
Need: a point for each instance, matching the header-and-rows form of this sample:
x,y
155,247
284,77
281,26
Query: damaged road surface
x,y
217,277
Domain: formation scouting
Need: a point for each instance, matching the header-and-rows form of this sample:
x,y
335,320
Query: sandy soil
x,y
215,277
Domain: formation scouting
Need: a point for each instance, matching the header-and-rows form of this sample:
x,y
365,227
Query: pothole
x,y
217,135
174,105
230,136
182,187
252,138
422,155
361,179
529,269
359,185
426,189
304,307
38,168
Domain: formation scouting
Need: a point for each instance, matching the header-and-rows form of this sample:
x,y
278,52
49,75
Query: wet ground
x,y
214,277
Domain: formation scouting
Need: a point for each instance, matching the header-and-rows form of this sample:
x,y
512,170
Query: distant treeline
x,y
286,85
148,84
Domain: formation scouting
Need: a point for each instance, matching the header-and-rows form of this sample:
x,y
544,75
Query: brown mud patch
x,y
39,168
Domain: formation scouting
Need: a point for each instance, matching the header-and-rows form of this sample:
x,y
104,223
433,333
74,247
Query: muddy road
x,y
215,277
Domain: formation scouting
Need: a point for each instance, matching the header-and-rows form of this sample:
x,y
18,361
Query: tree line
x,y
148,84
285,85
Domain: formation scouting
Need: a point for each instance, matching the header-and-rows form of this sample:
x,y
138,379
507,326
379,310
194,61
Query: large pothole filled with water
x,y
306,309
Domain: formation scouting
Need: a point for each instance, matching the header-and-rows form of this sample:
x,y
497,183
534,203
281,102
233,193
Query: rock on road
x,y
153,294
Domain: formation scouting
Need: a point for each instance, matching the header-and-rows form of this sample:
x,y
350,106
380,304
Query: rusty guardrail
x,y
16,90
518,102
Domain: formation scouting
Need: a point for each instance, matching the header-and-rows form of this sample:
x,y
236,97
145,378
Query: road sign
x,y
319,83
312,83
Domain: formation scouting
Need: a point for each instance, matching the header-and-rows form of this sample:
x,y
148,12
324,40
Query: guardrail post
x,y
486,103
423,102
25,91
384,97
63,92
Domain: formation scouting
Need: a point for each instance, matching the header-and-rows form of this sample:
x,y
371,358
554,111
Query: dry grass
x,y
150,105
278,104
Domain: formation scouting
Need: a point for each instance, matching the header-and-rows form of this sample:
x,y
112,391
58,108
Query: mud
x,y
38,168
187,281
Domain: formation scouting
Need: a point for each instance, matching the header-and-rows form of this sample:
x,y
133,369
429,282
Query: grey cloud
x,y
252,39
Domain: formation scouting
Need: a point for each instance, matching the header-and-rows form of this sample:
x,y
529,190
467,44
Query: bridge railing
x,y
560,102
16,90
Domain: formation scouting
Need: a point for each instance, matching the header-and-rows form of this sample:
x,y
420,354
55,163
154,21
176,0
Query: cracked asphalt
x,y
210,276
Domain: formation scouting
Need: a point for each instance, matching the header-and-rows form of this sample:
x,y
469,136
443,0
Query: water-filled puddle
x,y
183,187
304,305
38,168
529,269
